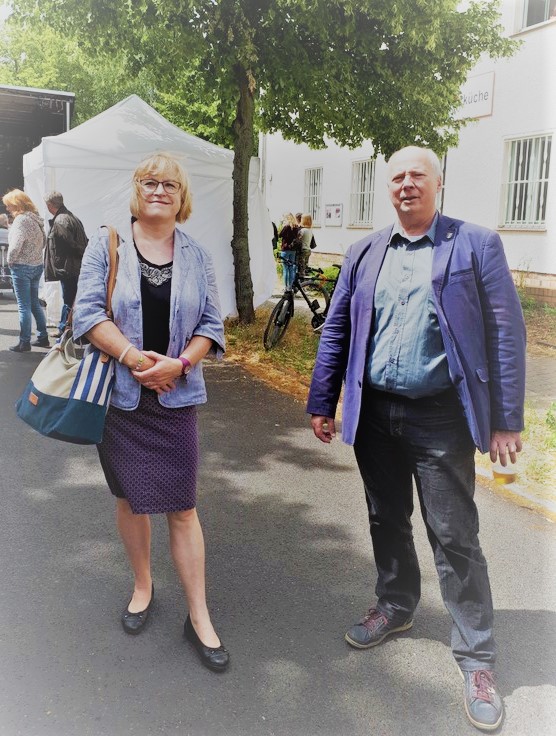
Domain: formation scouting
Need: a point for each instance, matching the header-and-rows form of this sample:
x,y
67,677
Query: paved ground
x,y
289,567
541,381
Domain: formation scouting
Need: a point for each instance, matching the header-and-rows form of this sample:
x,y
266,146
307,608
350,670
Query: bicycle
x,y
315,295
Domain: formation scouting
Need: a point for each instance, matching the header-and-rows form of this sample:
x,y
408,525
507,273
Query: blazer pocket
x,y
482,375
463,275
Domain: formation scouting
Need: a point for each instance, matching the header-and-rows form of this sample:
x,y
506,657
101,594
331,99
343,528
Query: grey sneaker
x,y
373,629
483,704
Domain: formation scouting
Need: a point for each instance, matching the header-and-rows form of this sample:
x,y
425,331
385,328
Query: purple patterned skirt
x,y
150,456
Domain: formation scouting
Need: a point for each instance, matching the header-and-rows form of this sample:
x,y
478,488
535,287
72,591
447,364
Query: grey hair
x,y
429,153
3,220
55,199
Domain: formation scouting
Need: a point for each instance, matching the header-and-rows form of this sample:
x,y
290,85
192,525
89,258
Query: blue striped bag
x,y
69,393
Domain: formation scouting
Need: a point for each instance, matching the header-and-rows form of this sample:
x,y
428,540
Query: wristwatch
x,y
185,365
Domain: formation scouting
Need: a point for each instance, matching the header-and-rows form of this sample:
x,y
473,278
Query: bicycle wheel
x,y
316,292
278,322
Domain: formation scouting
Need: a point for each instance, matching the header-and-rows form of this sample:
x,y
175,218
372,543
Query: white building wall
x,y
524,104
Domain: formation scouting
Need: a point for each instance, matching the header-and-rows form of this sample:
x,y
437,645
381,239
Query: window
x,y
537,11
313,194
526,182
362,192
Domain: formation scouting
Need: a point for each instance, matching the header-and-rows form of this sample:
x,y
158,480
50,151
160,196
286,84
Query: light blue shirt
x,y
406,352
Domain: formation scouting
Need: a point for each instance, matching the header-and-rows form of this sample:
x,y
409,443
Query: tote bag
x,y
69,393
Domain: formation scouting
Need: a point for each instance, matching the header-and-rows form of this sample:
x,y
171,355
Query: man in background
x,y
65,246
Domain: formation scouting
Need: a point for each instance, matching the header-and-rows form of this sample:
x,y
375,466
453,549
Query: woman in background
x,y
26,241
289,234
305,235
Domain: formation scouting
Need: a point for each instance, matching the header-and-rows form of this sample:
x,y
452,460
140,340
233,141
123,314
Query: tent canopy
x,y
91,165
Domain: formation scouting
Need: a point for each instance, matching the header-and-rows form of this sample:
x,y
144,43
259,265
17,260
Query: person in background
x,y
3,229
289,234
305,235
426,330
166,320
26,242
65,245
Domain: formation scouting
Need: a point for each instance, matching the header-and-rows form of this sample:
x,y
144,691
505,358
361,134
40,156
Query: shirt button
x,y
392,360
402,302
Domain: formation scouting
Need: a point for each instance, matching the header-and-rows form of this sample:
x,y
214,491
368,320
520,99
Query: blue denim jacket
x,y
194,310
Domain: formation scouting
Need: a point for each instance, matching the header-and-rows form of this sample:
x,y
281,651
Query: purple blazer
x,y
480,320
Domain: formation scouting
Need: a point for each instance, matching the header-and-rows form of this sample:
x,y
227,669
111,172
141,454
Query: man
x,y
65,246
426,329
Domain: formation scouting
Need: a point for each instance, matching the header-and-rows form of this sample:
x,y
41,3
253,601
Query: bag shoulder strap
x,y
112,267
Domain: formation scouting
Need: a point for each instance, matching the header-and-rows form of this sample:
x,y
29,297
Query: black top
x,y
156,285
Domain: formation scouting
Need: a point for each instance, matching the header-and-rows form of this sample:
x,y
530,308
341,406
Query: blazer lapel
x,y
180,272
446,231
371,262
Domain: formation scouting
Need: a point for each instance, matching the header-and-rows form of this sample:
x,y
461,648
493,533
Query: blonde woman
x,y
305,235
26,240
166,320
289,234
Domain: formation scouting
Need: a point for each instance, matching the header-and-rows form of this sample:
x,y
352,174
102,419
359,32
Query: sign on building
x,y
476,97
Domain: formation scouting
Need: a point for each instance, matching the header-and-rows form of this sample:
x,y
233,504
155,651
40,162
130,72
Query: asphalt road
x,y
289,568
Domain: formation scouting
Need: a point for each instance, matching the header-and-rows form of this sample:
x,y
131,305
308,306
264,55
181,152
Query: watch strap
x,y
185,365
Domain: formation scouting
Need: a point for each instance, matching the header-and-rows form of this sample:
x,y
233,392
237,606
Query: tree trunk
x,y
243,150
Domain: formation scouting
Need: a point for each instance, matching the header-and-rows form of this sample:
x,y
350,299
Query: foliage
x,y
347,70
329,276
42,57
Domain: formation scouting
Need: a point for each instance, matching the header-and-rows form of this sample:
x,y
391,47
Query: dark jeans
x,y
426,439
69,290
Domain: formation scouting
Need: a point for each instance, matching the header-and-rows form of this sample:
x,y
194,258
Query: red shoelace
x,y
483,685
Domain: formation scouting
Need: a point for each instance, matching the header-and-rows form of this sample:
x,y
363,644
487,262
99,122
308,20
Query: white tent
x,y
92,164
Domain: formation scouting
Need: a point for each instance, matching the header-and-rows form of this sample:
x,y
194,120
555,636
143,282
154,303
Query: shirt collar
x,y
398,234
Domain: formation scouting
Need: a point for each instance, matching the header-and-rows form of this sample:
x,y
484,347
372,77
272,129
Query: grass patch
x,y
289,365
541,325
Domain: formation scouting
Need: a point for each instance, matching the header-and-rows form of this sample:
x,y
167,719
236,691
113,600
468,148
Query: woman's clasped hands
x,y
158,372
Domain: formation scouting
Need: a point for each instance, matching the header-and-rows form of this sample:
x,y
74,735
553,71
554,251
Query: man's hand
x,y
504,443
323,427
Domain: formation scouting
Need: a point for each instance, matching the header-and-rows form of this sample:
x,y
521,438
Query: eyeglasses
x,y
151,185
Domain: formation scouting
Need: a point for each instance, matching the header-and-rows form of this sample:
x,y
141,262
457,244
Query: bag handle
x,y
112,267
112,273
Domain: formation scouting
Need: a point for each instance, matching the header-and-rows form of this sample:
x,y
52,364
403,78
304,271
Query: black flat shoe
x,y
134,623
216,660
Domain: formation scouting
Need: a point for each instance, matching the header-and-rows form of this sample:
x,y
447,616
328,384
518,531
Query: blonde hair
x,y
19,202
289,219
306,220
164,166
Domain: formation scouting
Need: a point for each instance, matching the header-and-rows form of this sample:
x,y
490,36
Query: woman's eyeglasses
x,y
151,185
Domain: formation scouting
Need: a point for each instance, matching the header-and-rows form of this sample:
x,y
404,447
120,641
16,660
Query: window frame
x,y
312,193
525,182
546,19
359,193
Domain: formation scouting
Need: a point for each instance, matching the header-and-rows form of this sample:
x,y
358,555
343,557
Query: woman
x,y
166,320
289,234
26,240
305,235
